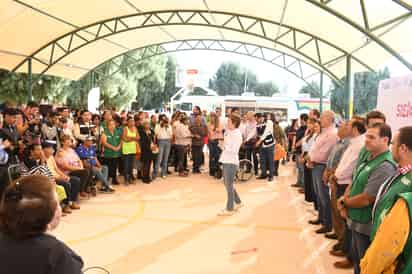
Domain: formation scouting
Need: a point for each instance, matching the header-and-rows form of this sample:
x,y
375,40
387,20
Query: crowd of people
x,y
354,172
358,178
80,151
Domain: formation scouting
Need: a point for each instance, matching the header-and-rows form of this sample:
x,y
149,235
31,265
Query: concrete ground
x,y
171,227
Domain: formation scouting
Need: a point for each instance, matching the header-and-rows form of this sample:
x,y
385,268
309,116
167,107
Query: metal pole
x,y
321,93
349,87
30,81
92,79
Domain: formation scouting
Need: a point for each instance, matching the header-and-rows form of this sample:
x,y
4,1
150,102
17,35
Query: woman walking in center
x,y
230,161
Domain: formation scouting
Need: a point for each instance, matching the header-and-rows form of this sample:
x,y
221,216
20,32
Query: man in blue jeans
x,y
318,155
87,152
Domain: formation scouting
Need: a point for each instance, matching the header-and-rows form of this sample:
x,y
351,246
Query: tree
x,y
198,91
170,80
365,92
266,89
232,79
120,82
313,89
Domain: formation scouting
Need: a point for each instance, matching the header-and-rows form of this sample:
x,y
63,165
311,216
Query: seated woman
x,y
69,162
28,209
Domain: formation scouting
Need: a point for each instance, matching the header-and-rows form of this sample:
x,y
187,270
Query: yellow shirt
x,y
391,237
51,164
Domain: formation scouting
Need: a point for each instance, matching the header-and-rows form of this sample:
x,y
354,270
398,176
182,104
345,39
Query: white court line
x,y
315,254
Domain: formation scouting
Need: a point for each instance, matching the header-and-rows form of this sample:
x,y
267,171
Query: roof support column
x,y
29,80
349,86
321,92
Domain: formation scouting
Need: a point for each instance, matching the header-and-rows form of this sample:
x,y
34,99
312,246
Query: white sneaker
x,y
225,212
239,206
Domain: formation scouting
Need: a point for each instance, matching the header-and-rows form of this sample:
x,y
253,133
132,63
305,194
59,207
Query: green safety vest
x,y
363,156
114,140
129,147
398,185
405,262
360,179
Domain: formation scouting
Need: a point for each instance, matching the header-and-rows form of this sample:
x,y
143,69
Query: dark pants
x,y
128,164
251,155
112,164
197,153
276,168
86,178
214,155
4,179
360,243
323,198
338,222
72,188
308,186
347,243
266,156
181,154
146,170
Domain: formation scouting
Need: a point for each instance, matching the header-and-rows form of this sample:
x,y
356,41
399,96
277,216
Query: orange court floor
x,y
171,227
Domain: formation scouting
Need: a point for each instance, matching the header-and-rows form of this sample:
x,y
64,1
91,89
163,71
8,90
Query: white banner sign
x,y
395,101
93,100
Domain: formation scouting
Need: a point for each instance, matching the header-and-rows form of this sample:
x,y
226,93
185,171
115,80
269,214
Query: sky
x,y
209,61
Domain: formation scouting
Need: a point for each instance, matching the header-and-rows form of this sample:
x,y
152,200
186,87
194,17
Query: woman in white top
x,y
164,134
307,142
230,160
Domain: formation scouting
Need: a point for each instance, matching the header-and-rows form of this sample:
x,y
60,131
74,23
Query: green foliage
x,y
150,82
313,88
365,92
170,80
232,79
266,89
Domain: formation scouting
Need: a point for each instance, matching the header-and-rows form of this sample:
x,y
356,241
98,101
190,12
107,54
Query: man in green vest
x,y
391,244
369,175
373,117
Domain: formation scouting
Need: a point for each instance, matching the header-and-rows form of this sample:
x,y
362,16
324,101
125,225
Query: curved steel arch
x,y
239,23
240,48
366,29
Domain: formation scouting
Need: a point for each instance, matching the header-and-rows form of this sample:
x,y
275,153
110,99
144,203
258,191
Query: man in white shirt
x,y
343,177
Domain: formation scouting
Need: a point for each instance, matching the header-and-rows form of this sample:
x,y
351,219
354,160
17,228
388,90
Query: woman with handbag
x,y
149,150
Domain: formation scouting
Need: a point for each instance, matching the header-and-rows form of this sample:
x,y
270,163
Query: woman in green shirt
x,y
112,145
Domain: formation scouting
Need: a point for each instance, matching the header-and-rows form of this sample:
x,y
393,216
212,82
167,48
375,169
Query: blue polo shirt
x,y
87,154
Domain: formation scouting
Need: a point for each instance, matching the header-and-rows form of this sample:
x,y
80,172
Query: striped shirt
x,y
36,170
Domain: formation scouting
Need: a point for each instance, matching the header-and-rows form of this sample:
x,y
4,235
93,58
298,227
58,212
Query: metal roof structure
x,y
64,38
334,37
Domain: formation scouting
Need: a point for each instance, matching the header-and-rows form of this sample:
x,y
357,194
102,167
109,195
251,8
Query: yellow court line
x,y
139,214
91,213
210,223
